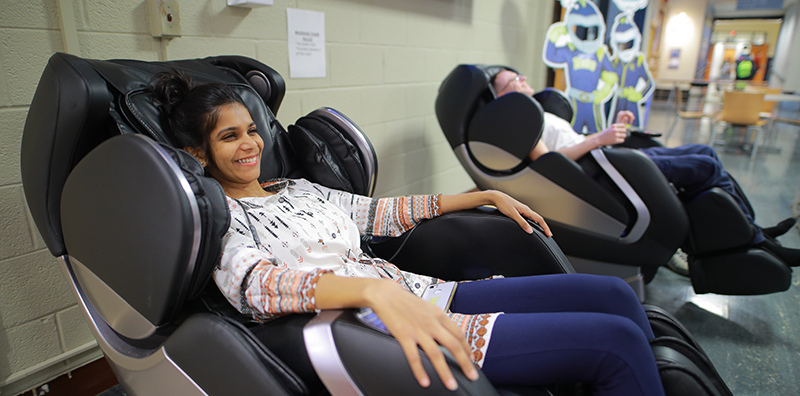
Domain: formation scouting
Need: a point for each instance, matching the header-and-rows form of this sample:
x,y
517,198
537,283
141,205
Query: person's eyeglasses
x,y
518,77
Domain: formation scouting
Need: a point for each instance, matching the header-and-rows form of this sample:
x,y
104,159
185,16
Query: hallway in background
x,y
754,341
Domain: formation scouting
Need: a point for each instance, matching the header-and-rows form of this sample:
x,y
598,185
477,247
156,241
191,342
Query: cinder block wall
x,y
385,60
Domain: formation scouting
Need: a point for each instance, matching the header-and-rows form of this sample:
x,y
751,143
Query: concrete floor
x,y
754,341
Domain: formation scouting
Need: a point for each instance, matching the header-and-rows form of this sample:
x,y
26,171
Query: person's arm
x,y
395,215
378,216
413,322
510,207
614,134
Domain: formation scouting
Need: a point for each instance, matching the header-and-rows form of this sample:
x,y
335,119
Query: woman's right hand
x,y
413,322
416,323
614,134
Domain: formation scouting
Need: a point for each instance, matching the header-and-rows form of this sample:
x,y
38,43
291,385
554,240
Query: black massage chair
x,y
612,211
136,227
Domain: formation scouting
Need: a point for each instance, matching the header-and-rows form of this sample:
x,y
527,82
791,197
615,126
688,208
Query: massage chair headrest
x,y
461,94
552,100
497,133
80,103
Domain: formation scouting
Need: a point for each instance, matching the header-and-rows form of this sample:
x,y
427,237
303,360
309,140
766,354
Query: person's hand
x,y
614,134
518,212
625,117
416,323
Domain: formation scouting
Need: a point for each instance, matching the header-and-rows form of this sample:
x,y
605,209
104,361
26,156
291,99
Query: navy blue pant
x,y
565,328
695,168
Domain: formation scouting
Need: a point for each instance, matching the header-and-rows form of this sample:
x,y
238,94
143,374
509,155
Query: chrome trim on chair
x,y
324,357
364,146
547,198
643,214
114,310
187,189
144,372
493,157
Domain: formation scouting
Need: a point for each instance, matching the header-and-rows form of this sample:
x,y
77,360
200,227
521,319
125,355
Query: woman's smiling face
x,y
235,147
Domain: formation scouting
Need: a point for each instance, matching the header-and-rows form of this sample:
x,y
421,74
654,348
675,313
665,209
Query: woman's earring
x,y
203,163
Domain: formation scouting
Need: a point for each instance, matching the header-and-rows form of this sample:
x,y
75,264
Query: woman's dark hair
x,y
192,110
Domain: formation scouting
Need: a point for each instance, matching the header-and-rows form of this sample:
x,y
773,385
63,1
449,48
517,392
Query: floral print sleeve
x,y
382,216
477,329
256,283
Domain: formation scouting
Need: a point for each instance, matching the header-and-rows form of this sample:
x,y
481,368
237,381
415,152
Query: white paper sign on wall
x,y
306,43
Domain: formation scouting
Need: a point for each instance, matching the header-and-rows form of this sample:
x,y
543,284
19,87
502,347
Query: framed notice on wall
x,y
674,58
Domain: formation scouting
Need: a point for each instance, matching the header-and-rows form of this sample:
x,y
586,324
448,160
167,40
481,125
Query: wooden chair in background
x,y
741,109
684,114
768,108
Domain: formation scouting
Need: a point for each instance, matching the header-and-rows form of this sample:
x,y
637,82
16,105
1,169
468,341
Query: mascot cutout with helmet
x,y
636,84
576,44
593,74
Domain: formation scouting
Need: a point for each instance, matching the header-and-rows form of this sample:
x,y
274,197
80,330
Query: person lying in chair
x,y
294,247
692,168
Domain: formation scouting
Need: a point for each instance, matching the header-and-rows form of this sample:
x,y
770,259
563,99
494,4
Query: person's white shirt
x,y
558,133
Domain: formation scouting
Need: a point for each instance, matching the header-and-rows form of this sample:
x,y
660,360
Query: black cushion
x,y
555,102
134,221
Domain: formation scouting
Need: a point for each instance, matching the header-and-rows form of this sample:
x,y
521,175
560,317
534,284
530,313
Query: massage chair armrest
x,y
555,102
637,140
349,354
502,133
717,223
656,221
223,358
453,247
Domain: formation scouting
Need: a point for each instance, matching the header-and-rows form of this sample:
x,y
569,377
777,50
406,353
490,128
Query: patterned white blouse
x,y
305,230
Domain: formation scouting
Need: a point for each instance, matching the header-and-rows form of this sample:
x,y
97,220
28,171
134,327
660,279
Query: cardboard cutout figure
x,y
630,6
636,84
577,46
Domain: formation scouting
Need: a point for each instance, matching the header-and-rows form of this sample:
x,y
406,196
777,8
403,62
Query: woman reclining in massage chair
x,y
693,168
303,254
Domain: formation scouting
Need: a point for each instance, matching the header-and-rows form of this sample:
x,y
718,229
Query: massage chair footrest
x,y
746,271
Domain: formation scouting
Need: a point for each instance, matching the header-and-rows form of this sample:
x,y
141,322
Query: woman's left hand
x,y
518,211
508,206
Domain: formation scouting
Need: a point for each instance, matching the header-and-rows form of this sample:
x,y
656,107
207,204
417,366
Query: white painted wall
x,y
787,52
386,59
682,33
